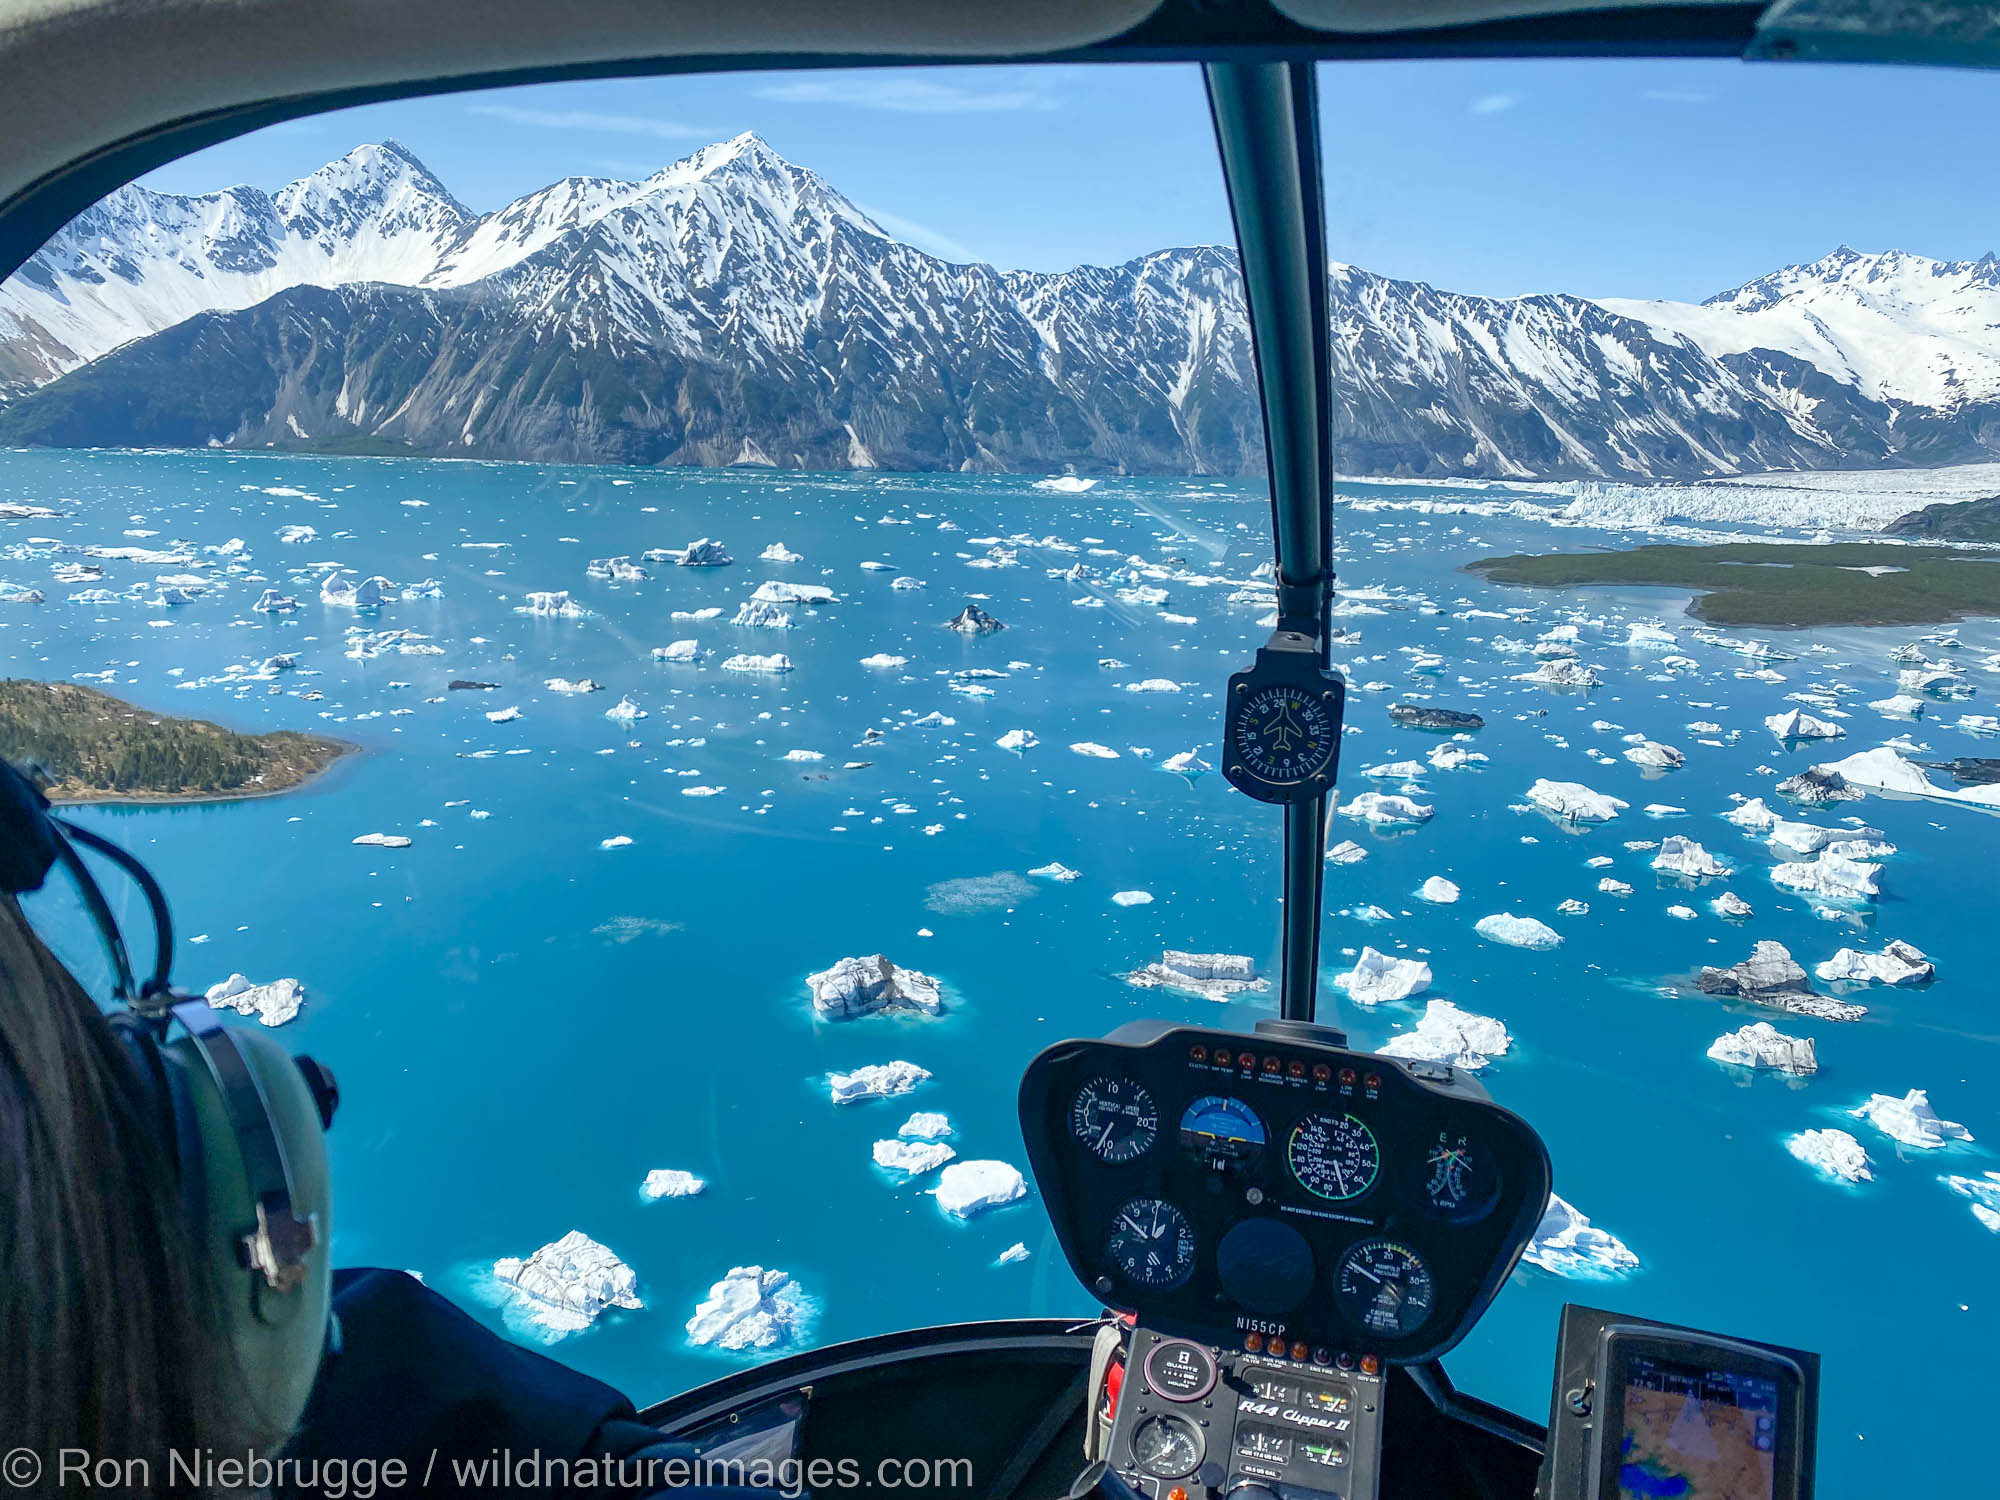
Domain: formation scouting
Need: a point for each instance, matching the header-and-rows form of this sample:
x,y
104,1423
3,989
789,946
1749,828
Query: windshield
x,y
755,669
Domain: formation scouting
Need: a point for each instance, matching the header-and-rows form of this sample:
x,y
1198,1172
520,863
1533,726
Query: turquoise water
x,y
514,1059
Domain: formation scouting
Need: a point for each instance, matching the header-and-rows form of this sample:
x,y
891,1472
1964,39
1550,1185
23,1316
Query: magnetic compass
x,y
1281,738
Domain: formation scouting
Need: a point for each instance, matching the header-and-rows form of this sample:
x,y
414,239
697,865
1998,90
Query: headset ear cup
x,y
139,1041
277,1335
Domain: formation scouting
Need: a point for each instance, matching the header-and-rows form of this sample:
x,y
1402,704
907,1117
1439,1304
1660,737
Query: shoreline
x,y
347,753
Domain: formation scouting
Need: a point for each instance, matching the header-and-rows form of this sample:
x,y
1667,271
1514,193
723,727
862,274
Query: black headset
x,y
243,1119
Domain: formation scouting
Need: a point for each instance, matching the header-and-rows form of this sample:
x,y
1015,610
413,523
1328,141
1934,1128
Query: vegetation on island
x,y
1952,521
1783,585
97,748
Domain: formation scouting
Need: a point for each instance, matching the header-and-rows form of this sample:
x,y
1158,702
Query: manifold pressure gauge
x,y
1281,732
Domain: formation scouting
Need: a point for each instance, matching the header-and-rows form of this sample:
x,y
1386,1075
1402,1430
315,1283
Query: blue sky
x,y
1668,179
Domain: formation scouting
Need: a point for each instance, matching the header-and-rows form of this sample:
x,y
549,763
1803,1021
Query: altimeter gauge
x,y
1152,1244
1115,1119
1281,736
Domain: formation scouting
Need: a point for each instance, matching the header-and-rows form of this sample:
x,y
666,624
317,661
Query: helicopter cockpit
x,y
1285,1233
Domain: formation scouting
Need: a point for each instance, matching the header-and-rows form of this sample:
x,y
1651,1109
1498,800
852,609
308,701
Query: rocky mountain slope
x,y
734,308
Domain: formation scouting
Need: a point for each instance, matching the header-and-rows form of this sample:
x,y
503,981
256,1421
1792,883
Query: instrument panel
x,y
1297,1195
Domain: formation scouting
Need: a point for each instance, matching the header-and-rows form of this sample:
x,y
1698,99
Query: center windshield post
x,y
1267,130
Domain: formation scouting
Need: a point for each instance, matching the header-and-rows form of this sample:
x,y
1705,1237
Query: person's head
x,y
110,1334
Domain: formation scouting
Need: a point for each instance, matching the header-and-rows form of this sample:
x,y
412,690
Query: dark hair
x,y
109,1338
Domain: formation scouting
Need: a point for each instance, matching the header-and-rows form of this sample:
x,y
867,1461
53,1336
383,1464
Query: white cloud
x,y
904,95
1676,96
1493,104
585,119
922,236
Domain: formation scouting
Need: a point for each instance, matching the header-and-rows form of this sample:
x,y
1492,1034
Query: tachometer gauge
x,y
1384,1288
1223,1134
1115,1118
1334,1156
1166,1447
1152,1243
1459,1181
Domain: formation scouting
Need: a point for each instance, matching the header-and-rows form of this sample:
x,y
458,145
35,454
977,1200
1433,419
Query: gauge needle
x,y
1357,1266
1102,1140
1339,1177
1132,1224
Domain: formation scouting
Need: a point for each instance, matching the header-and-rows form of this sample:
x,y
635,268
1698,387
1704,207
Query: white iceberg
x,y
1387,807
383,841
1439,890
1065,484
577,685
884,660
1346,852
624,711
1833,1152
863,986
670,1182
1984,1193
1376,978
1094,751
756,615
1187,763
1574,802
1566,1243
1897,963
1910,1120
876,1081
1018,739
912,1158
1055,870
750,662
1013,1253
1684,857
1800,725
1729,904
1154,685
1214,976
704,554
1833,876
1131,898
778,552
273,1004
1762,1045
966,1188
1452,1036
925,1125
1562,671
1517,932
1882,769
565,1285
750,1308
552,604
1655,756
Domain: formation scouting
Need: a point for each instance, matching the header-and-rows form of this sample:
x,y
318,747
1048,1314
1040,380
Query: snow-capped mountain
x,y
736,308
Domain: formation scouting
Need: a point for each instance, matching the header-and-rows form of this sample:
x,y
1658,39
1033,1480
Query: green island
x,y
97,748
1783,585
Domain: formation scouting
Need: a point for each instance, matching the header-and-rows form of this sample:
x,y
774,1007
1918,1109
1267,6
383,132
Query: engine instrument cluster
x,y
1269,1192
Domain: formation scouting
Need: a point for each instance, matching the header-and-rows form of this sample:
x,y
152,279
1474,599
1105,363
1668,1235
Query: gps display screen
x,y
1693,1433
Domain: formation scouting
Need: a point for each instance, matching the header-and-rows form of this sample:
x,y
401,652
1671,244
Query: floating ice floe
x,y
912,1158
1655,757
1065,484
1453,757
1013,1253
803,757
1729,904
875,1081
616,841
705,553
1131,898
1214,976
1449,1035
1387,807
1984,1193
1346,852
1910,1120
755,614
1901,706
1094,750
1517,932
751,1308
966,1188
1153,685
864,986
1402,770
383,841
884,661
577,685
1377,978
1439,890
778,552
551,604
972,620
1832,1152
567,1283
1020,739
1574,802
1897,963
670,1182
1762,1045
1684,857
750,662
1187,763
1800,725
273,1004
1832,876
624,711
1055,870
1770,976
1562,671
924,1125
1567,1244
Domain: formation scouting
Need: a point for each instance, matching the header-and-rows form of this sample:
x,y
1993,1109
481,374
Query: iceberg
x,y
1684,857
1346,852
565,1285
1800,725
624,711
1439,890
1065,484
885,661
1013,1253
1883,770
271,602
755,615
1762,1045
876,1081
778,552
553,604
1386,807
771,591
966,1188
1753,816
1451,1036
1055,870
1910,1120
750,662
1018,739
1153,685
1094,751
1833,876
1376,978
505,715
616,841
1131,898
1186,763
669,1182
1419,716
912,1158
1729,904
1574,802
1984,1193
972,620
681,651
383,841
1517,932
1655,756
1401,770
273,1004
1897,963
1817,785
750,1308
864,986
924,1125
1566,1243
704,553
1561,671
578,685
1214,976
1833,1152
